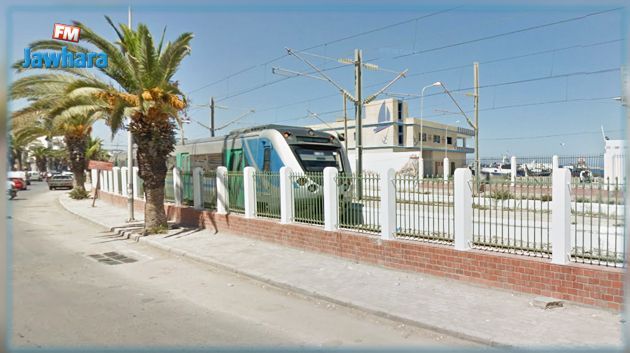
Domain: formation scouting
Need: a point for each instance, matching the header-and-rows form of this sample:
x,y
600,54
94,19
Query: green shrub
x,y
79,194
502,195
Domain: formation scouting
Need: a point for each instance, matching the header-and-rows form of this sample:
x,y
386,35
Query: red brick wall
x,y
593,285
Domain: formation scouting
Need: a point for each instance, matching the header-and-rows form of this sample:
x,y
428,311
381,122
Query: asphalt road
x,y
63,298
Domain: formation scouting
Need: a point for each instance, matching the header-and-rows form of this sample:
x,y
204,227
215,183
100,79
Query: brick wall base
x,y
587,284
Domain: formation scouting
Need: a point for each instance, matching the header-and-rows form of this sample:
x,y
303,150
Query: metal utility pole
x,y
129,155
212,116
358,108
476,103
358,101
345,121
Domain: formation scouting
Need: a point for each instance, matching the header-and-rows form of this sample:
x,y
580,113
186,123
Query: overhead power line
x,y
498,35
270,61
485,109
544,136
424,51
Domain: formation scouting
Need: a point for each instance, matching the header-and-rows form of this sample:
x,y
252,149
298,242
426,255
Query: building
x,y
614,160
390,138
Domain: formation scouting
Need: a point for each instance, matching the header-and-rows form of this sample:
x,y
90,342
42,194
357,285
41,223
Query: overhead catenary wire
x,y
424,51
490,61
270,61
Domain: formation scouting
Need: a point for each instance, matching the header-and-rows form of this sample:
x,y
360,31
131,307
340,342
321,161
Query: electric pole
x,y
212,116
358,124
129,155
345,121
476,102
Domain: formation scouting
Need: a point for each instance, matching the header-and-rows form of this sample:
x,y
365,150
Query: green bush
x,y
502,195
545,198
79,194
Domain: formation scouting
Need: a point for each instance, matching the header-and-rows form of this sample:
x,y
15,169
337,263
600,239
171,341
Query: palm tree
x,y
95,150
57,109
144,91
40,153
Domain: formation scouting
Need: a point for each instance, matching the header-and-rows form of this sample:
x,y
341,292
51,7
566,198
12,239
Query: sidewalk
x,y
482,314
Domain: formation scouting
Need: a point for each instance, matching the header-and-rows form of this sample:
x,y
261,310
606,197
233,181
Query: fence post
x,y
177,186
249,192
420,167
446,169
388,205
197,178
115,176
561,216
93,177
513,169
463,209
134,183
331,199
110,182
555,163
123,180
222,190
286,196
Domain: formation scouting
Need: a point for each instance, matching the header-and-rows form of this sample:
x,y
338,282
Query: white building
x,y
390,137
614,155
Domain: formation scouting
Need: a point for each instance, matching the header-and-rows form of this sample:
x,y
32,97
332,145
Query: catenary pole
x,y
129,155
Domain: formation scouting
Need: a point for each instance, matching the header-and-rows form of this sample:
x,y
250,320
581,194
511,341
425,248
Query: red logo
x,y
66,32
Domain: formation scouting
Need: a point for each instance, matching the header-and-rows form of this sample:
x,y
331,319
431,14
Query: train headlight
x,y
312,188
301,181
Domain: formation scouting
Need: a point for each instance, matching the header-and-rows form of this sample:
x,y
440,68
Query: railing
x,y
169,192
267,194
236,202
513,217
209,190
308,197
424,209
187,188
359,213
597,222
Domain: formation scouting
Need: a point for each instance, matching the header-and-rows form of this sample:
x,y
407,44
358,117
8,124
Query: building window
x,y
436,138
449,140
401,135
424,137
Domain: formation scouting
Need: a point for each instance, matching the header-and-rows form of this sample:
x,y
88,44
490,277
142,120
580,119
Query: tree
x,y
95,150
57,109
40,153
144,91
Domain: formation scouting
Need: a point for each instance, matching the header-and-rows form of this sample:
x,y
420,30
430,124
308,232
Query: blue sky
x,y
579,69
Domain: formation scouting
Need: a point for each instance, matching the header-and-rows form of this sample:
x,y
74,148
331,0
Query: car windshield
x,y
315,159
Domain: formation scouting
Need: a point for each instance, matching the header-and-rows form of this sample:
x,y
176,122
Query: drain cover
x,y
112,258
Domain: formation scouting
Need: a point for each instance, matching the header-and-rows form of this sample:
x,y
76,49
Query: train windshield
x,y
315,159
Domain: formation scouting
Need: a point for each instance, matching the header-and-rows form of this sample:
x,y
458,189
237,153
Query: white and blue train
x,y
267,148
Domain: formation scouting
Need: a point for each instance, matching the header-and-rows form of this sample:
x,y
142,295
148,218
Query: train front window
x,y
316,159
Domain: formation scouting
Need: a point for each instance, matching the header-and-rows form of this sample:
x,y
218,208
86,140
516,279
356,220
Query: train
x,y
267,148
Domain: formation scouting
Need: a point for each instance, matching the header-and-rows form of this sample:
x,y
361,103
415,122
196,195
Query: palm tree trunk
x,y
154,215
155,137
76,146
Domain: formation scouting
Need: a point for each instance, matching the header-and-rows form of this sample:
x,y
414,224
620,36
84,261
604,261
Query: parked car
x,y
19,183
35,176
60,181
11,190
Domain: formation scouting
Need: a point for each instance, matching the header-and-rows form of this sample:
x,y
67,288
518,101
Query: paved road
x,y
64,298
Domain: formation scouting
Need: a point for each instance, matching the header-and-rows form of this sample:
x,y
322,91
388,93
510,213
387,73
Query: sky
x,y
548,74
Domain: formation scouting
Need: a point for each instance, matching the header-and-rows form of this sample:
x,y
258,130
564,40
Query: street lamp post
x,y
421,159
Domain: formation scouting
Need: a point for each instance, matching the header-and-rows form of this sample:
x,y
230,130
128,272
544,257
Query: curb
x,y
126,234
